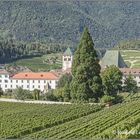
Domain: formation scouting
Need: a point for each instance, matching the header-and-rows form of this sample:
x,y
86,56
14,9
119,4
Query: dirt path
x,y
131,62
34,102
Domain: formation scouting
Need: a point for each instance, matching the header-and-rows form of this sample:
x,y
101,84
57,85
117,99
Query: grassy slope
x,y
19,119
97,125
39,64
102,124
131,57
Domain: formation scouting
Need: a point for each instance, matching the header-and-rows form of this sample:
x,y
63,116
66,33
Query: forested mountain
x,y
63,21
128,44
11,49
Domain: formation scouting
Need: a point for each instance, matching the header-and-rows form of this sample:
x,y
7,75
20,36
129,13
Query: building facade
x,y
48,80
67,59
134,72
28,80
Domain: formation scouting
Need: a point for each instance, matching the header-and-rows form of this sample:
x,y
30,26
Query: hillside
x,y
63,21
128,45
131,58
83,121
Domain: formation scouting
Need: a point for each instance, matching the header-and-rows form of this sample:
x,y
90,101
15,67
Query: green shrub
x,y
8,93
22,94
107,98
49,96
1,92
92,100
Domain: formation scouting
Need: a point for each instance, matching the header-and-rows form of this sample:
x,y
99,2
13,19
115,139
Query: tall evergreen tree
x,y
86,82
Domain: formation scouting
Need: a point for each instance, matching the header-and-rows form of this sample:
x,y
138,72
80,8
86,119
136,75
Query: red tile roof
x,y
35,75
132,71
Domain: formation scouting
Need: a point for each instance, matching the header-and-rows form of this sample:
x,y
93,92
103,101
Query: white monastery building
x,y
135,73
28,80
48,80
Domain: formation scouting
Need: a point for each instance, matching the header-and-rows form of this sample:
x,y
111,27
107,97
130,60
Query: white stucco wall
x,y
67,62
30,84
135,77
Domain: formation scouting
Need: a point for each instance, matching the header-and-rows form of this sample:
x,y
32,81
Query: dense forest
x,y
11,49
128,44
63,21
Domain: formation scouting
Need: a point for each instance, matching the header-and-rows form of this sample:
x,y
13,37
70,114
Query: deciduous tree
x,y
130,85
111,78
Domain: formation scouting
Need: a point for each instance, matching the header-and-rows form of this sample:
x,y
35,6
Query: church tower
x,y
67,59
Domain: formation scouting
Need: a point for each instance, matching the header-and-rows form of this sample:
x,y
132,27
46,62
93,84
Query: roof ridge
x,y
68,52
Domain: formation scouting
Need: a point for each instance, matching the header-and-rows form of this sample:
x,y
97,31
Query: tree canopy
x,y
86,82
130,85
111,78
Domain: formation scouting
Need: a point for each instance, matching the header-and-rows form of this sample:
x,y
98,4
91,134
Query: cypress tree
x,y
86,82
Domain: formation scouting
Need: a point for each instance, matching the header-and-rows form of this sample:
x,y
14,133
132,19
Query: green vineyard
x,y
19,119
70,121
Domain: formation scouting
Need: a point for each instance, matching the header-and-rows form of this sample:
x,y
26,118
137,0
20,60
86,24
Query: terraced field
x,y
42,63
18,119
108,123
69,121
131,57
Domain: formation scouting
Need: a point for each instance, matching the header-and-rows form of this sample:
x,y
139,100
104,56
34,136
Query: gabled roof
x,y
35,75
68,52
113,57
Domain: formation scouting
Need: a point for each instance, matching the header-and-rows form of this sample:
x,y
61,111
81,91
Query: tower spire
x,y
67,59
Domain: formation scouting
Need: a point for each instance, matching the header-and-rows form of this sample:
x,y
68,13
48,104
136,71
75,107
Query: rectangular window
x,y
33,86
11,86
38,86
69,59
44,81
16,81
50,82
22,86
27,86
27,81
5,86
6,81
22,81
16,86
65,59
33,81
0,81
6,76
38,81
